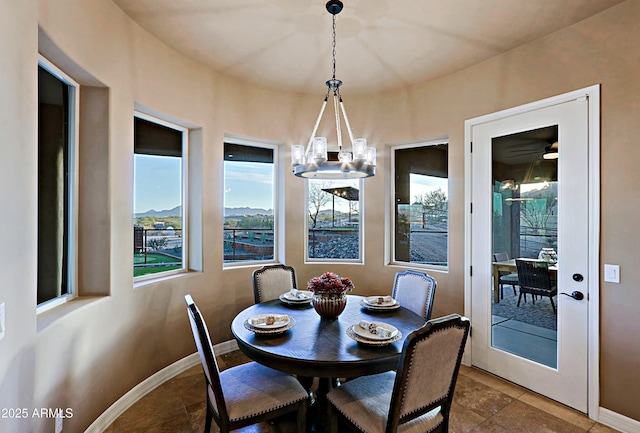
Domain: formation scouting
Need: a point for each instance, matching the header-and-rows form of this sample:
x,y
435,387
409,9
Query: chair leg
x,y
553,305
520,297
333,419
301,418
208,417
514,290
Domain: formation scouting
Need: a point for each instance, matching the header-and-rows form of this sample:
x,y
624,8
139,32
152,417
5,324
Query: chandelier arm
x,y
336,110
315,127
346,121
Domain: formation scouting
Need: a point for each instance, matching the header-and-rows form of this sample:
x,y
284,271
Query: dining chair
x,y
416,398
534,278
415,290
507,278
270,281
248,393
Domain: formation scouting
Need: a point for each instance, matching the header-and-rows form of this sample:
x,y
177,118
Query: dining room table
x,y
325,349
510,266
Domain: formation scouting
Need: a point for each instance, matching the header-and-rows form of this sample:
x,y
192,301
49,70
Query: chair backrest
x,y
428,370
415,291
269,282
208,360
533,274
500,257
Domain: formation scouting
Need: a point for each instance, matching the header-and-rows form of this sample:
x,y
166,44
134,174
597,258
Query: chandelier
x,y
314,160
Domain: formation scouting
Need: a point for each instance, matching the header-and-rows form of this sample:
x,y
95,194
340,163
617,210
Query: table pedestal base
x,y
319,410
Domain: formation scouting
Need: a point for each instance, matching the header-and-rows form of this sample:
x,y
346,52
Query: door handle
x,y
578,296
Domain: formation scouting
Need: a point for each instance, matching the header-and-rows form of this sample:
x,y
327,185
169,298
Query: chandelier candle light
x,y
315,161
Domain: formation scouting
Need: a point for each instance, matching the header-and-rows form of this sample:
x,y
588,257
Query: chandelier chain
x,y
333,54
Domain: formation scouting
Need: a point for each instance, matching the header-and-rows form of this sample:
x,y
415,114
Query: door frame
x,y
592,93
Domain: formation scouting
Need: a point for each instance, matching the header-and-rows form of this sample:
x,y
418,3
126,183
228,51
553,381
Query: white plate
x,y
291,298
275,325
364,333
274,331
356,337
371,307
373,301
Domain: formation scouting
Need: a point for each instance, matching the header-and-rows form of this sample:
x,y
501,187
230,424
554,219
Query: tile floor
x,y
483,403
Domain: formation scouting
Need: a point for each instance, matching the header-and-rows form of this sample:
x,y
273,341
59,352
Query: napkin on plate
x,y
381,300
298,294
267,320
376,329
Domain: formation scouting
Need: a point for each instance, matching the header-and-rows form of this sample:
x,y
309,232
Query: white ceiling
x,y
381,44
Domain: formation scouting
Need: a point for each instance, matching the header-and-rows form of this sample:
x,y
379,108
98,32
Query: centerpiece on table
x,y
329,294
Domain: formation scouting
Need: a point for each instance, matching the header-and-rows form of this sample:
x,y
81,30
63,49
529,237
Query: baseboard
x,y
149,384
617,421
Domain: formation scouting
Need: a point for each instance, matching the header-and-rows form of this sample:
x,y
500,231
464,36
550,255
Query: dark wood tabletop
x,y
322,348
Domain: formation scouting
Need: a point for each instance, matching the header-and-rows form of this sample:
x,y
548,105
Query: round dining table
x,y
320,348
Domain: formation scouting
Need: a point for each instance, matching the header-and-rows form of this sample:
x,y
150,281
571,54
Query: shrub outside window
x,y
421,204
159,232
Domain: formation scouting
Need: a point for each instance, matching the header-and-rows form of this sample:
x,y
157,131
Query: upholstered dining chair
x,y
534,278
416,398
270,281
415,290
507,278
248,393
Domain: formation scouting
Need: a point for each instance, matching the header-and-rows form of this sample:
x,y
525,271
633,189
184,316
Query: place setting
x,y
269,323
374,333
296,298
380,303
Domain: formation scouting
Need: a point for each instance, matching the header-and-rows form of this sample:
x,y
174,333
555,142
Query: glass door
x,y
525,226
530,205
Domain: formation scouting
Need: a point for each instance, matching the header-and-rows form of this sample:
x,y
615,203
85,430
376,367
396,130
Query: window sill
x,y
160,278
47,318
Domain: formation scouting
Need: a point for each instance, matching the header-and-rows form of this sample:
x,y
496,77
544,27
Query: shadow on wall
x,y
19,375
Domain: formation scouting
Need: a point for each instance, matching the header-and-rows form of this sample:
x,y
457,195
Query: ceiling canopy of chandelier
x,y
314,160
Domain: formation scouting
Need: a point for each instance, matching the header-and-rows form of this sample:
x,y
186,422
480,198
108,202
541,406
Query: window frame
x,y
277,191
392,204
72,202
184,190
361,219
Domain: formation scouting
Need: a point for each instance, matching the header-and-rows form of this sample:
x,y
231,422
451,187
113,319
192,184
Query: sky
x,y
158,178
248,184
421,184
157,183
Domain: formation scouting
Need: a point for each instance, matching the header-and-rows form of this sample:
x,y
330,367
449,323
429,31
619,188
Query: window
x,y
333,227
421,218
159,231
249,201
57,138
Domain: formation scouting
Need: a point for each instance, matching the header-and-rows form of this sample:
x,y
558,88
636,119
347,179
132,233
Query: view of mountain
x,y
176,211
235,211
239,211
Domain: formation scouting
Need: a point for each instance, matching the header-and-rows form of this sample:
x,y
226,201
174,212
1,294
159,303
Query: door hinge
x,y
470,207
471,146
471,271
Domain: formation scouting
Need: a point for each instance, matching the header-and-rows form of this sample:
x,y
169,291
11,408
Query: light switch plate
x,y
1,321
612,273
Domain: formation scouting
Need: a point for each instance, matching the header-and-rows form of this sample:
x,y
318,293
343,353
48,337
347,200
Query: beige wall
x,y
88,354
